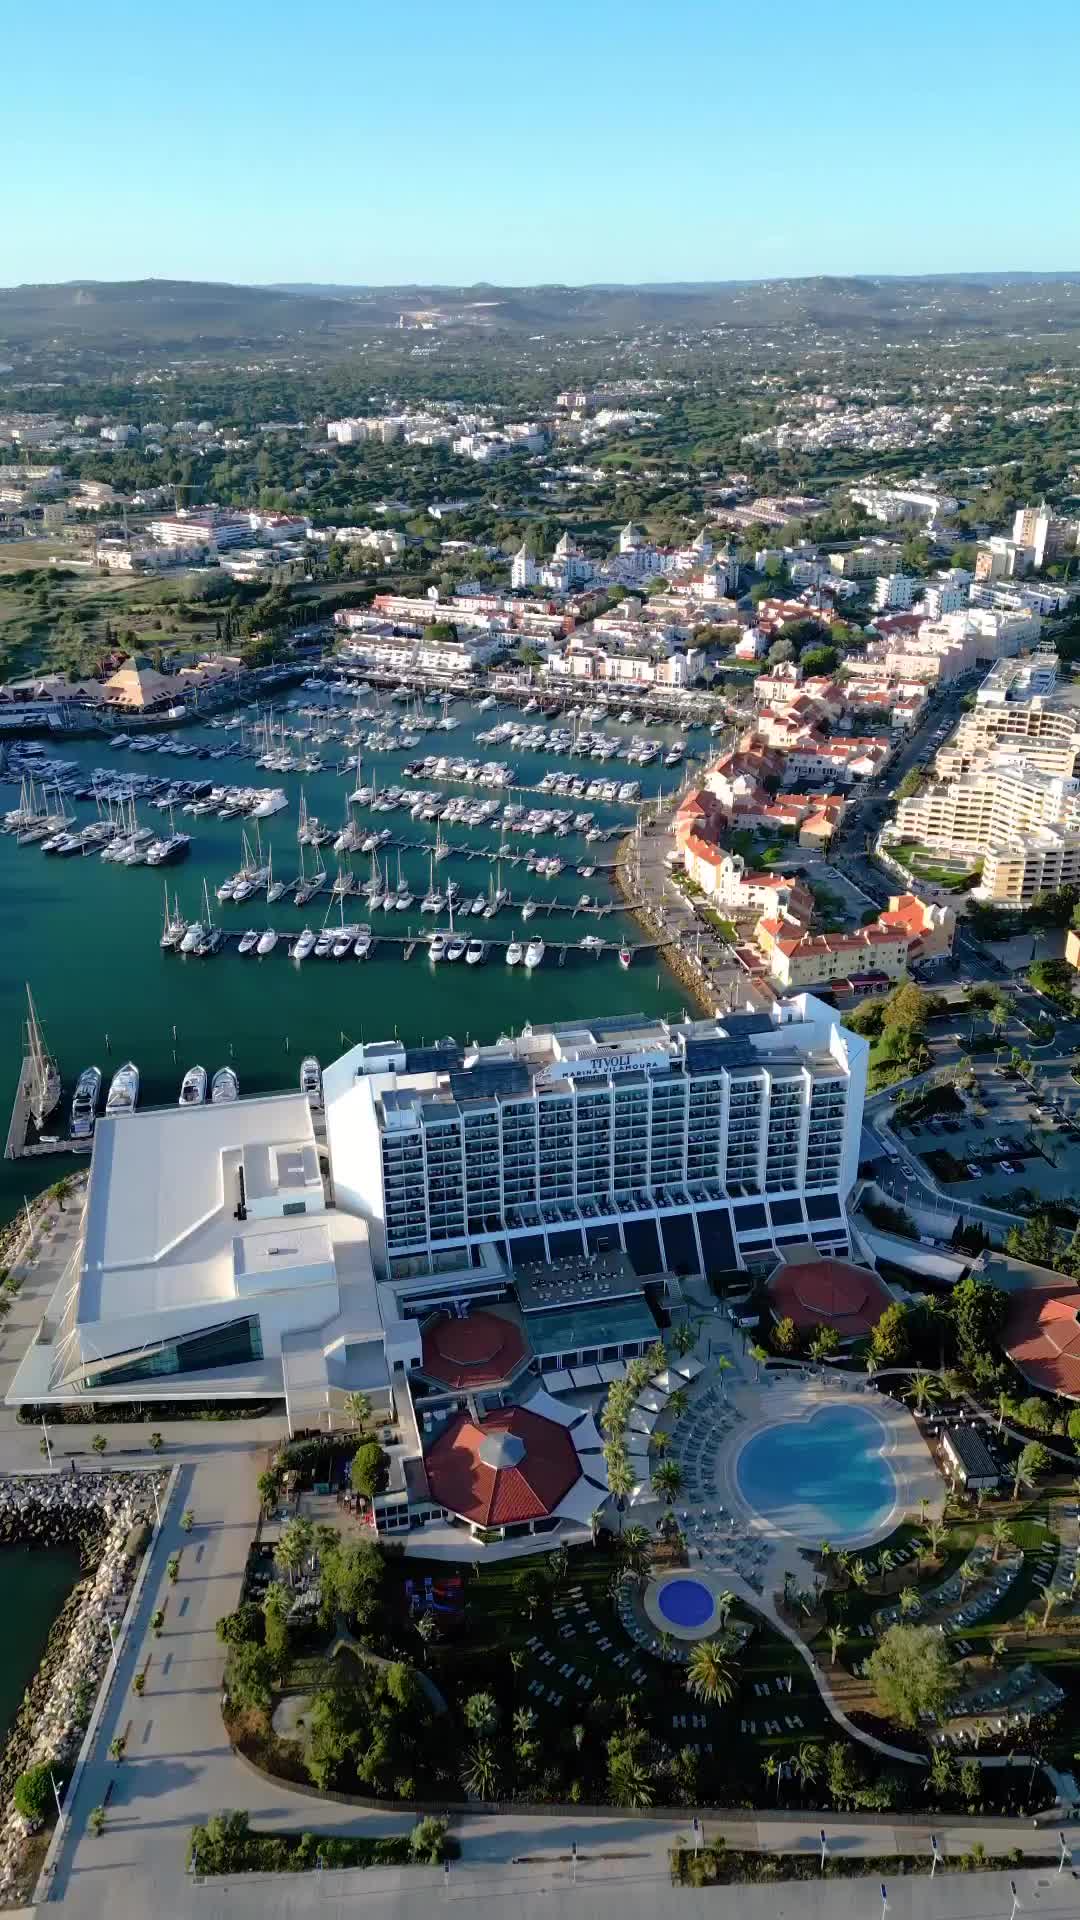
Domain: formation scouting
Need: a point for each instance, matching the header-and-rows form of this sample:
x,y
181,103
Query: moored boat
x,y
123,1089
193,1088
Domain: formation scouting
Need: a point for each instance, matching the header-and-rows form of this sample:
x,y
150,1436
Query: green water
x,y
85,933
34,1583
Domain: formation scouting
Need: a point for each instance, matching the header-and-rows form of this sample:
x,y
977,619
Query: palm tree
x,y
998,1650
859,1574
709,1677
426,1627
480,1771
886,1563
524,1722
294,1545
656,1357
758,1355
596,1521
807,1763
770,1767
935,1534
577,1735
621,1481
1049,1603
635,1553
941,1776
480,1713
660,1440
723,1366
668,1479
923,1390
825,1552
358,1407
324,1538
678,1403
683,1339
630,1782
724,1603
909,1599
1001,1535
836,1637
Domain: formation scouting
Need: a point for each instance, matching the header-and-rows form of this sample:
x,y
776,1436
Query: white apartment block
x,y
893,590
983,809
1025,865
701,1142
636,669
902,503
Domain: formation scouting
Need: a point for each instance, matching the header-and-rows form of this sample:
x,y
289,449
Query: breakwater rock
x,y
99,1513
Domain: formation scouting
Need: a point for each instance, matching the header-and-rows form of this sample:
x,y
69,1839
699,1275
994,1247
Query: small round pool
x,y
686,1603
824,1477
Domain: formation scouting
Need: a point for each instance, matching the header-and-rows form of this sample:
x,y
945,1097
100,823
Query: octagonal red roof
x,y
1042,1337
478,1351
512,1466
829,1293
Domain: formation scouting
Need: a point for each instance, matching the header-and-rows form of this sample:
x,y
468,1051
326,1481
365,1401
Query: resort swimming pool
x,y
686,1603
824,1477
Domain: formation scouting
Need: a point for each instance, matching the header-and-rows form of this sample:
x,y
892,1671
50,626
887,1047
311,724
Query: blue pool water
x,y
686,1603
823,1478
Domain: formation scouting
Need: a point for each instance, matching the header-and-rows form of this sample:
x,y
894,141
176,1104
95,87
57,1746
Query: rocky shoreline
x,y
106,1516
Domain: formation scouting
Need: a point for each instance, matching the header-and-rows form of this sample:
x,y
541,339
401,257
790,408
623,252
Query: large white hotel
x,y
479,1232
690,1145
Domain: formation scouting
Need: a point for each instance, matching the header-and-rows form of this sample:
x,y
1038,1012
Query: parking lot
x,y
1001,1137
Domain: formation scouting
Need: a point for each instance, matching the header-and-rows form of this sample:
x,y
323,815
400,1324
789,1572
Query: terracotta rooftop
x,y
829,1293
478,1351
512,1466
1042,1337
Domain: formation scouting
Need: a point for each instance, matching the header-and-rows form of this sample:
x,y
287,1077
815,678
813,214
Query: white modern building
x,y
687,1145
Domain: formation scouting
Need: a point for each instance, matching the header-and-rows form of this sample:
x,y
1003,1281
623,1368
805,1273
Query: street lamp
x,y
884,1900
1015,1900
48,1448
1066,1855
824,1848
936,1854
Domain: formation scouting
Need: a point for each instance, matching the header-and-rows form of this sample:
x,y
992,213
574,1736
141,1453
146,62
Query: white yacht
x,y
267,941
270,802
303,944
625,958
343,942
84,1104
249,940
437,947
311,1080
479,903
534,953
123,1089
455,946
476,953
224,1087
528,909
324,943
362,946
191,936
193,1088
514,953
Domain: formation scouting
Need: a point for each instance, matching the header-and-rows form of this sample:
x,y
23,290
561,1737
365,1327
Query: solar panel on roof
x,y
704,1056
490,1079
738,1024
433,1059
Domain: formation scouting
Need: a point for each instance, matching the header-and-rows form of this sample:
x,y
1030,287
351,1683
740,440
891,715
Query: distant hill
x,y
194,315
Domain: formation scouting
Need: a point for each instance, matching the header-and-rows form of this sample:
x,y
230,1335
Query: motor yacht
x,y
84,1103
363,943
193,1088
224,1087
514,953
479,903
191,937
303,944
123,1089
437,947
534,953
249,940
455,946
343,943
324,943
591,943
625,958
267,941
311,1080
476,953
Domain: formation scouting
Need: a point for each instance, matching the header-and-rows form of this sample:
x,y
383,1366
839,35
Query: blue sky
x,y
588,141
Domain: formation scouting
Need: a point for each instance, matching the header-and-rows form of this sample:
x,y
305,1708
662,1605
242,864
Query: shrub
x,y
33,1794
427,1841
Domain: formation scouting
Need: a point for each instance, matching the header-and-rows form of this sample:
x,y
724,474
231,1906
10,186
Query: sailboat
x,y
43,1084
209,936
403,898
173,926
274,888
433,901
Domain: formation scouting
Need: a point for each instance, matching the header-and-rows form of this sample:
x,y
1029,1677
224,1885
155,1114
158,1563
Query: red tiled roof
x,y
830,1293
1042,1337
478,1351
512,1466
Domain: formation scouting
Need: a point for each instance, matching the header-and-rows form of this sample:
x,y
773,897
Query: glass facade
x,y
230,1345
